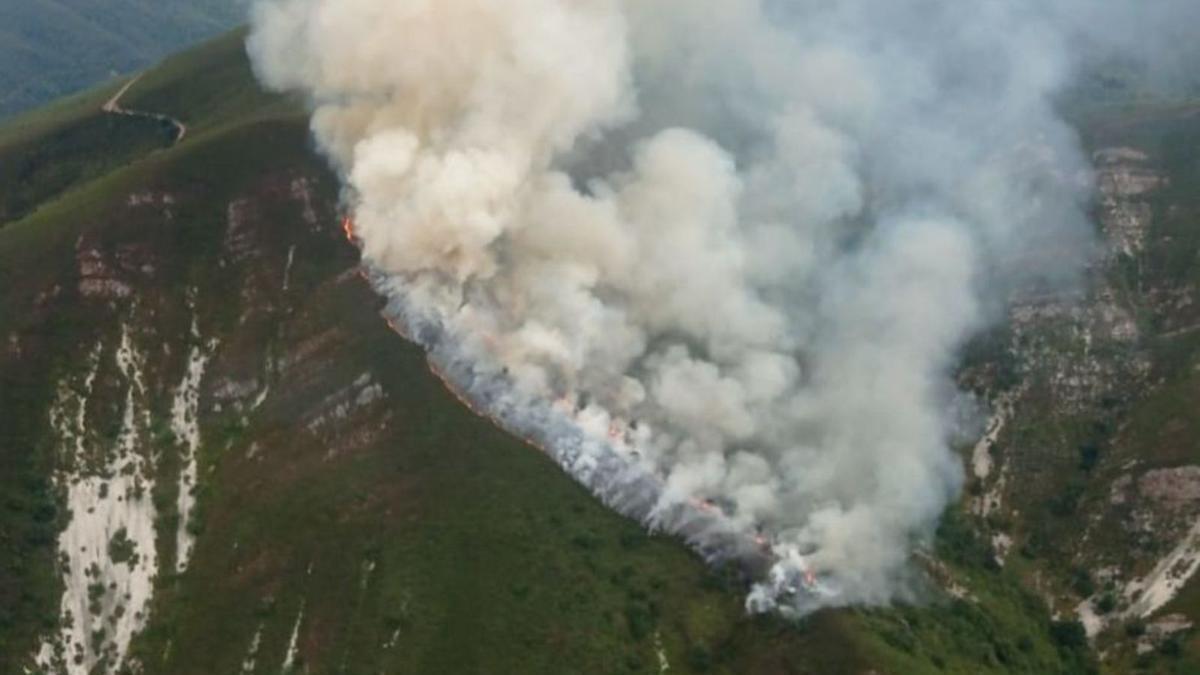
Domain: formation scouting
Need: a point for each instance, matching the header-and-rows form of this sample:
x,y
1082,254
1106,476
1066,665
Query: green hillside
x,y
50,48
350,515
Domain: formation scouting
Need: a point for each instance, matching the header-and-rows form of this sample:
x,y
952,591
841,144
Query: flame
x,y
705,505
397,329
615,431
348,228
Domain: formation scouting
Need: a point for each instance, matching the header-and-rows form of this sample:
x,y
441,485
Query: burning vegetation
x,y
734,322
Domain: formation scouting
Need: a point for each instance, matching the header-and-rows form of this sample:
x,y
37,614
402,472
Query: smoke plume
x,y
716,256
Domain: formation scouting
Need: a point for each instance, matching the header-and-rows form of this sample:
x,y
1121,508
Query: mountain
x,y
217,457
50,48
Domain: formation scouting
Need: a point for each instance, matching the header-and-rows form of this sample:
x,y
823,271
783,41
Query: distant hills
x,y
49,48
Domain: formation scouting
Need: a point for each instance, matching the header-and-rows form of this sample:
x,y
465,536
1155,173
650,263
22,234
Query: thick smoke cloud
x,y
718,256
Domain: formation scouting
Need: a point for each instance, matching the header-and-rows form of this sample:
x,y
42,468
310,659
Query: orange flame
x,y
705,505
348,228
615,432
396,328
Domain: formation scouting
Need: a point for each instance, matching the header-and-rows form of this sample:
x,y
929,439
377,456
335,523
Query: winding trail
x,y
113,107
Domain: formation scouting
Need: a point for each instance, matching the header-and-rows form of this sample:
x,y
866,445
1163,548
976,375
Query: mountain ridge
x,y
370,524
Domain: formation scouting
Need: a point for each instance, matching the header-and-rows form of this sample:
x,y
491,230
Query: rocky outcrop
x,y
108,549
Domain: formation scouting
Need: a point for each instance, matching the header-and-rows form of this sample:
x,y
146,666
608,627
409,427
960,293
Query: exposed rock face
x,y
116,482
97,279
185,424
108,550
1062,471
1078,348
349,418
1125,183
984,461
1150,593
240,236
1161,630
301,188
1175,489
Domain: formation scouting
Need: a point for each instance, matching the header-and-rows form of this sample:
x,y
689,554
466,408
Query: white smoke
x,y
717,256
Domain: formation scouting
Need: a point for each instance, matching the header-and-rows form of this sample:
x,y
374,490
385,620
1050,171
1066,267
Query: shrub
x,y
121,548
586,541
1067,502
699,658
1068,634
639,619
1172,648
1081,583
1089,456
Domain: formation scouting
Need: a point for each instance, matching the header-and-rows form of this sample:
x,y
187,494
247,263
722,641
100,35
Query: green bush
x,y
1068,634
639,619
700,659
1082,584
121,549
1089,456
1172,648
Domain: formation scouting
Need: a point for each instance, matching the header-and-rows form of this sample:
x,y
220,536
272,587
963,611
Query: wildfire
x,y
617,432
348,228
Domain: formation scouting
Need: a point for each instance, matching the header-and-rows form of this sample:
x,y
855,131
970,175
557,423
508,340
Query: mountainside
x,y
1087,480
216,457
49,48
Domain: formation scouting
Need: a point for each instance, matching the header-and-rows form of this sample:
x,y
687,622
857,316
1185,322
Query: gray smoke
x,y
717,256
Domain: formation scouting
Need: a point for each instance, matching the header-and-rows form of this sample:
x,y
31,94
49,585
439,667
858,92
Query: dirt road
x,y
113,107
